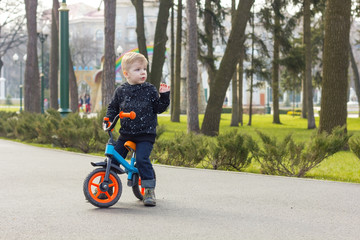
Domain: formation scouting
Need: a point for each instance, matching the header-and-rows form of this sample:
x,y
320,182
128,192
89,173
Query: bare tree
x,y
11,26
159,43
228,63
74,95
235,108
108,82
209,60
308,78
175,117
192,69
32,76
83,49
140,28
240,71
54,56
172,60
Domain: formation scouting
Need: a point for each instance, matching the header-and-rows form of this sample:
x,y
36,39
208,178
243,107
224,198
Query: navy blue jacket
x,y
145,101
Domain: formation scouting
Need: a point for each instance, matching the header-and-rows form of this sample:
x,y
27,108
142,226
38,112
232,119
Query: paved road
x,y
41,198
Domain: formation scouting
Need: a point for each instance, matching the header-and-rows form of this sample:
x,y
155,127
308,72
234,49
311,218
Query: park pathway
x,y
41,198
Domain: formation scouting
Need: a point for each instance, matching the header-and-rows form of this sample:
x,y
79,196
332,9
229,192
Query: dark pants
x,y
143,163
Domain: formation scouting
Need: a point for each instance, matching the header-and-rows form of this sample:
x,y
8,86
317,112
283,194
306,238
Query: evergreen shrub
x,y
82,133
229,151
288,158
28,126
186,150
7,124
354,145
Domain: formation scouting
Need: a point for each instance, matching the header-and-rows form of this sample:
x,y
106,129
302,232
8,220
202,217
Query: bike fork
x,y
108,166
131,179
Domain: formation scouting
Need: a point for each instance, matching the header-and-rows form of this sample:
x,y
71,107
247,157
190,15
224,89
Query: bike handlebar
x,y
131,115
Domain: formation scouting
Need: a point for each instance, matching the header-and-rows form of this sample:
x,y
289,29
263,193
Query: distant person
x,y
46,104
80,105
87,103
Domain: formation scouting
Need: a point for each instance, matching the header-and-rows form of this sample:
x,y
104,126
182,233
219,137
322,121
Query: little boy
x,y
142,98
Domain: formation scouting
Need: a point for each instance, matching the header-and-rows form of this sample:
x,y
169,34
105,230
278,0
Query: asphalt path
x,y
41,198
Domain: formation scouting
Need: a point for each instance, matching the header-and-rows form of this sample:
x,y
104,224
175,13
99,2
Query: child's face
x,y
136,74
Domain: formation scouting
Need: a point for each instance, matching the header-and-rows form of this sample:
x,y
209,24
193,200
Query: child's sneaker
x,y
149,197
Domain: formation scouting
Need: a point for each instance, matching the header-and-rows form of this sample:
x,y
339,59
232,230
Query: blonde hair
x,y
131,57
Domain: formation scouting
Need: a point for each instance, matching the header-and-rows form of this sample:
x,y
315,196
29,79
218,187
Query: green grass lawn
x,y
343,166
9,108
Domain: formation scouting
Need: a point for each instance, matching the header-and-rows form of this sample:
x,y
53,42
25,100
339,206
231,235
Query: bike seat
x,y
131,146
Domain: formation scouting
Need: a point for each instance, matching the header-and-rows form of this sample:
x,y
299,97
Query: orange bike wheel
x,y
95,195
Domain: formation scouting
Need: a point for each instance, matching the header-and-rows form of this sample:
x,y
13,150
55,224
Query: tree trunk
x,y
252,70
192,68
307,75
275,71
73,89
159,43
228,63
356,76
54,57
108,81
240,86
140,29
172,62
209,32
335,65
235,108
176,116
32,75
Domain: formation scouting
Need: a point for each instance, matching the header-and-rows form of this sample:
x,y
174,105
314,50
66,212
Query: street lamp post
x,y
42,37
21,83
15,59
119,50
64,59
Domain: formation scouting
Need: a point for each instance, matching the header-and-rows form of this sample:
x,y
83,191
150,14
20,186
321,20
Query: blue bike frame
x,y
130,168
112,154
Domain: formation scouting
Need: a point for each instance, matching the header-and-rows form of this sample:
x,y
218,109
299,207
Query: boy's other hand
x,y
164,88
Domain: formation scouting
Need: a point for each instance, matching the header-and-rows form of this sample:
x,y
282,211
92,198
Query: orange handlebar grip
x,y
131,115
106,119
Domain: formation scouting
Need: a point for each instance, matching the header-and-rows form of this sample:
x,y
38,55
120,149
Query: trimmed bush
x,y
288,158
49,127
186,150
354,145
81,133
229,151
28,125
7,124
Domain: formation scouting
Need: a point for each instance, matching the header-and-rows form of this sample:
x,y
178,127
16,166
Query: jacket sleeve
x,y
114,106
162,102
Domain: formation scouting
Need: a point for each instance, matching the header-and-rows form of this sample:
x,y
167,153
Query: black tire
x,y
92,190
137,189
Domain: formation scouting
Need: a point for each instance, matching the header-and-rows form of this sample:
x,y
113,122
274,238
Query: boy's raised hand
x,y
164,88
